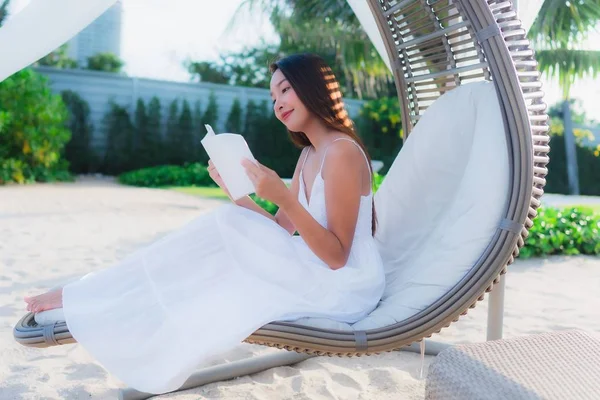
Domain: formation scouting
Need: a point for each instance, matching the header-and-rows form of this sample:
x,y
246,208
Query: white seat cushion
x,y
49,317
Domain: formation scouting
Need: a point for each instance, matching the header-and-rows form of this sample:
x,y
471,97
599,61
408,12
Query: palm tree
x,y
346,45
330,28
556,32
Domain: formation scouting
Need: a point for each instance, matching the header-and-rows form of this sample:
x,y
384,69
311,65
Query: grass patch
x,y
217,193
208,192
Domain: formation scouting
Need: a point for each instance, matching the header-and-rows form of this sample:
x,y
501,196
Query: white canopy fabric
x,y
367,20
43,26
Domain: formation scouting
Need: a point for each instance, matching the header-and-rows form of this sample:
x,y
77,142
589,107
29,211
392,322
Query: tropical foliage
x,y
32,130
569,231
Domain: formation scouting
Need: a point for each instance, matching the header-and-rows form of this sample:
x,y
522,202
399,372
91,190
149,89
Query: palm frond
x,y
329,28
568,65
561,22
250,8
337,10
347,46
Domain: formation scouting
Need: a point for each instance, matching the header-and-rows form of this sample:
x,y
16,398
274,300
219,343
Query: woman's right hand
x,y
214,174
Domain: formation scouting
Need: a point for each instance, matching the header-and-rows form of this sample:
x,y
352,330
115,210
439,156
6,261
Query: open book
x,y
226,151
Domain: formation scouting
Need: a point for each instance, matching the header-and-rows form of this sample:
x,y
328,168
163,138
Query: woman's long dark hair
x,y
317,88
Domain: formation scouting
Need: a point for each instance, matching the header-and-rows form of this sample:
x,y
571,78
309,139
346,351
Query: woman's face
x,y
287,106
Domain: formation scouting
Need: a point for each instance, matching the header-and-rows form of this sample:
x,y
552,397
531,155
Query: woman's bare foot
x,y
46,301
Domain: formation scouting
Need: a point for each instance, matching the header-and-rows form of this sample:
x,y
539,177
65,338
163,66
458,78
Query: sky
x,y
159,35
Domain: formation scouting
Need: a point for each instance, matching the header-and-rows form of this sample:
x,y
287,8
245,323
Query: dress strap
x,y
350,140
305,158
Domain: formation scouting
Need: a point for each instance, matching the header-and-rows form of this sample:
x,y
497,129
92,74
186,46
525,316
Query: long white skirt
x,y
169,308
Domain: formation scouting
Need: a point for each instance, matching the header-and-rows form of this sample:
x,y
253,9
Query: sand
x,y
50,233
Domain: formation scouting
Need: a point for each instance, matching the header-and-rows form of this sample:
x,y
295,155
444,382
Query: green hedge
x,y
168,175
380,127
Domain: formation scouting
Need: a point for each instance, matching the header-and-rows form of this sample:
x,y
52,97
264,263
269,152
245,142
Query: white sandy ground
x,y
52,233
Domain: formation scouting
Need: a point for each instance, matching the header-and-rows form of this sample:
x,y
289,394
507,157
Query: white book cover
x,y
226,151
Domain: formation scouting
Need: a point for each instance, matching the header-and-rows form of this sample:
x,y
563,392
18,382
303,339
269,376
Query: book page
x,y
226,151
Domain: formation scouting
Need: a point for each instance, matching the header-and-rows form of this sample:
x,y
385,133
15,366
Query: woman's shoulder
x,y
343,157
343,146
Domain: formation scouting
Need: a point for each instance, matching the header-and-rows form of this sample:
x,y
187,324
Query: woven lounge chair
x,y
436,48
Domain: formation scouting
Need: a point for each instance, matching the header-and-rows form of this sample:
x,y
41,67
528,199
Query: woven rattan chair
x,y
433,47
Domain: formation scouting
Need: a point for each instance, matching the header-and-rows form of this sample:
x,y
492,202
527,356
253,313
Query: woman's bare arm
x,y
343,173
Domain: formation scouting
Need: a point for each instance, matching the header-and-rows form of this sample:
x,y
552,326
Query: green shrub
x,y
568,231
198,117
380,127
152,140
211,114
268,139
266,205
140,146
120,134
234,118
251,127
588,162
33,130
377,179
107,62
199,133
277,151
186,134
169,175
78,151
172,134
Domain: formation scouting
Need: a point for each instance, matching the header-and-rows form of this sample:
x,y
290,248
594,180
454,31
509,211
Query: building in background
x,y
101,36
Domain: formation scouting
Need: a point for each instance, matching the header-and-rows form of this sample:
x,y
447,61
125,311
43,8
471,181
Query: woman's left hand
x,y
267,184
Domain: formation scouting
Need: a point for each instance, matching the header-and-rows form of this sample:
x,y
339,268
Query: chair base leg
x,y
432,348
496,310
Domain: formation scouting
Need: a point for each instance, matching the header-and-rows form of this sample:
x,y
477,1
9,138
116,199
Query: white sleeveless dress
x,y
167,309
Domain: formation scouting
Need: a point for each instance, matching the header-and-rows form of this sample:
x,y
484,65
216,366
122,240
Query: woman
x,y
153,318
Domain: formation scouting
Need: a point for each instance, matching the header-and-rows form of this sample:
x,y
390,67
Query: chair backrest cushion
x,y
441,202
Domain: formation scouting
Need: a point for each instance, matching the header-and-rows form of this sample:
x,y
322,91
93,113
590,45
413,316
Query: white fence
x,y
99,88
